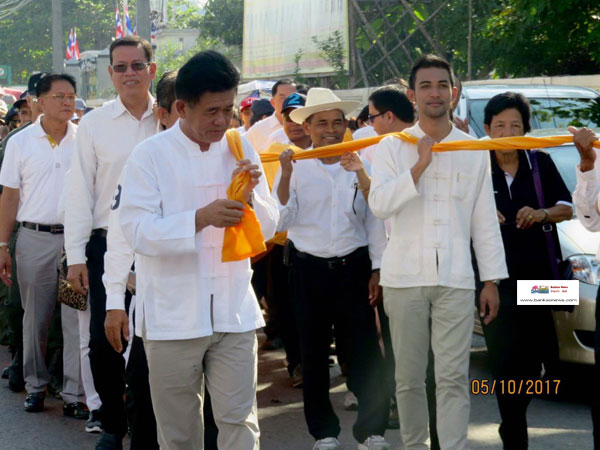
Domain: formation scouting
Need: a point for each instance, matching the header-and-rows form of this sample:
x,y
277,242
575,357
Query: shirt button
x,y
436,245
436,197
436,221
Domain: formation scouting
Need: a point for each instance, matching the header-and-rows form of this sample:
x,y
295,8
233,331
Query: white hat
x,y
321,99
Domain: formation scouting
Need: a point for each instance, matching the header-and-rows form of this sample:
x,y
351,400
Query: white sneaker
x,y
329,443
374,443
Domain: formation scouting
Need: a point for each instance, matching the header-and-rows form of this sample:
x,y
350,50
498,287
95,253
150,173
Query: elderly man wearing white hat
x,y
336,248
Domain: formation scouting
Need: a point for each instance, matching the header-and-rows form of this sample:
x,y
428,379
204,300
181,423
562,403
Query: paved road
x,y
554,425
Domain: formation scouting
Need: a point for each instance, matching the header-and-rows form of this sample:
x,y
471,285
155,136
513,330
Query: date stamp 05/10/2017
x,y
482,386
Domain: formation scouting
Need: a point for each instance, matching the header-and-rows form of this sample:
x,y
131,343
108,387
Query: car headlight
x,y
585,268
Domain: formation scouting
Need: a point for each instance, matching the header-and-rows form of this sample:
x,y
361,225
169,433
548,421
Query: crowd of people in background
x,y
381,254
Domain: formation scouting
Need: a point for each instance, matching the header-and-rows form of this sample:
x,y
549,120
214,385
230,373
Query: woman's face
x,y
508,123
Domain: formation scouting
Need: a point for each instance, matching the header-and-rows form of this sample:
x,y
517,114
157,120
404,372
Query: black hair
x,y
363,116
206,71
281,82
165,90
131,41
302,89
45,84
390,98
309,118
427,61
508,100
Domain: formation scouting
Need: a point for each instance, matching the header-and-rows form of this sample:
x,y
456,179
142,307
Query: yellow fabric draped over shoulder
x,y
245,239
507,143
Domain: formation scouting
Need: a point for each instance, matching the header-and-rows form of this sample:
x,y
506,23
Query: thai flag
x,y
153,30
119,31
75,46
128,27
69,53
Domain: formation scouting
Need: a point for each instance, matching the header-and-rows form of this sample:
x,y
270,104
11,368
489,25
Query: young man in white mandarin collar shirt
x,y
32,174
438,203
197,315
105,139
336,251
259,133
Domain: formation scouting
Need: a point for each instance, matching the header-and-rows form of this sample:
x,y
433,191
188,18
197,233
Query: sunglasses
x,y
136,67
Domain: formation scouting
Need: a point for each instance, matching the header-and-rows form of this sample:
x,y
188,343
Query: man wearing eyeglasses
x,y
32,174
105,138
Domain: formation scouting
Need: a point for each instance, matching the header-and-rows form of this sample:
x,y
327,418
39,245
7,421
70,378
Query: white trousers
x,y
451,313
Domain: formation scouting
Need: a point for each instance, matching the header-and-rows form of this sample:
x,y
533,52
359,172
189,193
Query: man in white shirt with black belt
x,y
438,203
105,139
585,198
197,315
336,250
259,133
33,172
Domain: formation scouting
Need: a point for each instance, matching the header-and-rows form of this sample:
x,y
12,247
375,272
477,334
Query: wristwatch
x,y
375,271
545,211
496,282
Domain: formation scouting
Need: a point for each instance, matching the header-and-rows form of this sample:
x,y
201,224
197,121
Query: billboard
x,y
275,31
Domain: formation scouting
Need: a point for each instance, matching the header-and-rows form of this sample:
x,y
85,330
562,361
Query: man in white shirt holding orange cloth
x,y
196,314
438,203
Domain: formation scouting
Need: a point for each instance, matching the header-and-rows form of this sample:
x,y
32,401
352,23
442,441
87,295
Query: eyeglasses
x,y
372,116
136,67
63,97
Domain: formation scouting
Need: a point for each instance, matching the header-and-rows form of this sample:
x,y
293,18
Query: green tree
x,y
333,50
546,37
223,20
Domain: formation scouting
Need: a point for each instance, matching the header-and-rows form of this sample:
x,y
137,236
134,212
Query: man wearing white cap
x,y
336,250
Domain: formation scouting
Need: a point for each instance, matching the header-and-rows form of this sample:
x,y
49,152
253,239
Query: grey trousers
x,y
38,256
177,371
451,313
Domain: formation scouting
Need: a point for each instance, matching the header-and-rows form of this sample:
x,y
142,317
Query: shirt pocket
x,y
402,257
462,185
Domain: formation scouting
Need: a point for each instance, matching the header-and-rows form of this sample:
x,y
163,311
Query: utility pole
x,y
142,16
58,53
469,39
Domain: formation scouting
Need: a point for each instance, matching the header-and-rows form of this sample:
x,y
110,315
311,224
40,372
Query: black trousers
x,y
596,393
519,340
108,366
280,305
335,292
138,403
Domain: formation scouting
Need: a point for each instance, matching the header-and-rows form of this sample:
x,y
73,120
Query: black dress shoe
x,y
76,410
15,379
34,402
5,373
109,441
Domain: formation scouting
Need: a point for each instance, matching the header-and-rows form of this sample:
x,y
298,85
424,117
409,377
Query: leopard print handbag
x,y
66,295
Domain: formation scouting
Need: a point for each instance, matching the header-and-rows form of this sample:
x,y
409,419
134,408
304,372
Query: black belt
x,y
100,232
335,262
54,229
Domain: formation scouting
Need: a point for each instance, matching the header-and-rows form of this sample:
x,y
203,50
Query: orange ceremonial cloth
x,y
245,239
507,143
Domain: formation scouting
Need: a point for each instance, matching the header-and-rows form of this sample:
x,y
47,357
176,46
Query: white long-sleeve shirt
x,y
434,221
105,139
183,289
38,170
586,198
119,257
258,134
327,215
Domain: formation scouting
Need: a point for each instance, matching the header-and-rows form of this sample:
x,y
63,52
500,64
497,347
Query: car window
x,y
565,159
547,113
